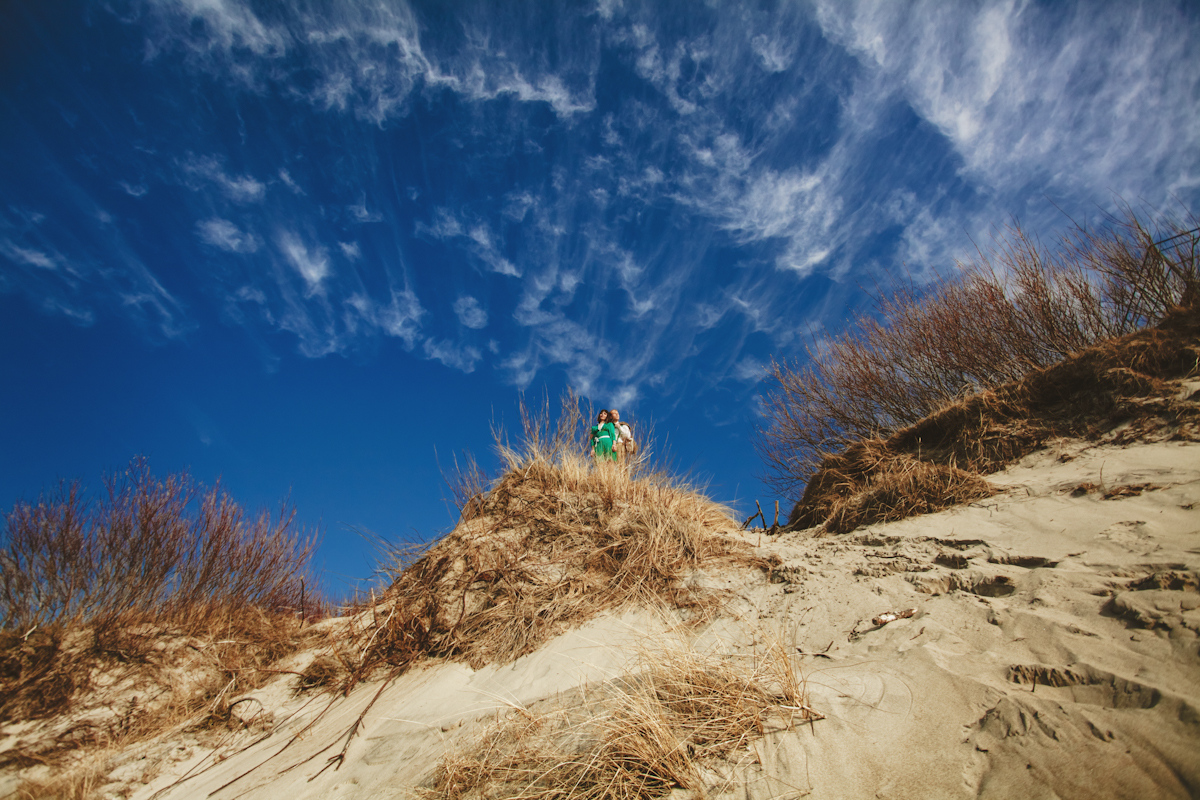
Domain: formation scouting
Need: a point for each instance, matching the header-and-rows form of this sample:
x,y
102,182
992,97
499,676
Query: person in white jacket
x,y
625,445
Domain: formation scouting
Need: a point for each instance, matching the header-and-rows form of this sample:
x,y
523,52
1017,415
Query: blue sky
x,y
314,248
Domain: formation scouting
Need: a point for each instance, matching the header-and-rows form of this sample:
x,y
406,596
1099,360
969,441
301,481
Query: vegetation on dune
x,y
683,721
106,602
1118,391
554,540
150,607
1024,345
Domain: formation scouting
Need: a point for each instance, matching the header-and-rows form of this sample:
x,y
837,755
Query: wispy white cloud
x,y
72,311
773,53
27,255
1054,95
229,24
800,209
360,213
749,370
133,189
622,397
470,313
81,269
201,171
311,262
474,235
288,181
225,235
399,317
452,354
517,205
369,58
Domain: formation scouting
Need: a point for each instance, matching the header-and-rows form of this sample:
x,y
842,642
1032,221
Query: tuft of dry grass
x,y
868,484
554,540
1016,309
663,728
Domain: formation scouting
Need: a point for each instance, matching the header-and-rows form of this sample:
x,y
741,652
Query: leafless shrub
x,y
157,596
1017,308
151,550
642,736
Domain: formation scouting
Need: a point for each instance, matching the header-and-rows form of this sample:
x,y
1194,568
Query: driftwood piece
x,y
758,513
892,616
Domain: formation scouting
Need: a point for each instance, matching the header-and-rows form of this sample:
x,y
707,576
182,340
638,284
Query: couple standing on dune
x,y
611,438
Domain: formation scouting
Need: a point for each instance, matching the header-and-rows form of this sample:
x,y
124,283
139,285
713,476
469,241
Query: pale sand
x,y
1032,667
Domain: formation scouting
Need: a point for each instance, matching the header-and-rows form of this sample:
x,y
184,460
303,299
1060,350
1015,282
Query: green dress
x,y
603,438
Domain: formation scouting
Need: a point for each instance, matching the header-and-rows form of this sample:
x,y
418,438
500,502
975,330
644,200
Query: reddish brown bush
x,y
162,551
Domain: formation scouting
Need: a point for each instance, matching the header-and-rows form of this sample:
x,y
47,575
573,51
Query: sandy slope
x,y
1053,653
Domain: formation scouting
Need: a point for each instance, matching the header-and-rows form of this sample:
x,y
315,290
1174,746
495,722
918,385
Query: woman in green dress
x,y
604,436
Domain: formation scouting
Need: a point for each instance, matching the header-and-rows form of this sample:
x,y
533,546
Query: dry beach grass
x,y
668,725
553,541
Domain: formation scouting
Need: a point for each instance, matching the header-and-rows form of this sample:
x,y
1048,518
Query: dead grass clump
x,y
662,729
555,540
905,487
38,675
79,784
1129,490
322,672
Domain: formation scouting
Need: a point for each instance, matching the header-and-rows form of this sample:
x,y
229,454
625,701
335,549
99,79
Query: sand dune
x,y
1052,653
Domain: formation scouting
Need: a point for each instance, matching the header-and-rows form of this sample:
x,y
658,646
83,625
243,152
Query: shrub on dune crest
x,y
949,384
1013,310
1121,390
